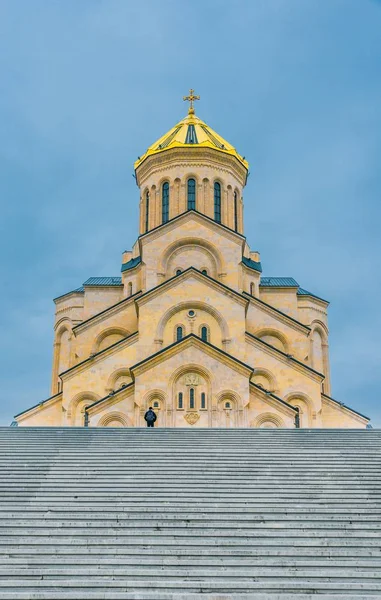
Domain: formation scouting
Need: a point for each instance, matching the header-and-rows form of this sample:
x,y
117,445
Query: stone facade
x,y
191,327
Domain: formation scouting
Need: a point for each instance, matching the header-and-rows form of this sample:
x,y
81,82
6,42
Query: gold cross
x,y
191,98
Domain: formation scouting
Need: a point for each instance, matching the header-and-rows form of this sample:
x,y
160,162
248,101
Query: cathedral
x,y
191,327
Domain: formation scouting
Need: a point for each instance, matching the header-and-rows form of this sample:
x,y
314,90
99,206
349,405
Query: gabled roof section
x,y
191,131
184,275
51,399
97,354
198,214
103,281
289,357
79,290
131,264
303,292
194,339
277,398
345,406
252,264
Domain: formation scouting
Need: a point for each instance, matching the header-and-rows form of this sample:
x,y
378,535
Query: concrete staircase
x,y
154,514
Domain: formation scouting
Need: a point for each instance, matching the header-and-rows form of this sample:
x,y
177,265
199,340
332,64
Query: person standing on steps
x,y
150,417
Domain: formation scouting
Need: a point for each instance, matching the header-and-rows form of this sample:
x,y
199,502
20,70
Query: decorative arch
x,y
228,395
194,368
305,405
270,381
213,253
189,304
152,395
268,417
120,374
77,405
62,353
111,331
319,354
117,417
274,333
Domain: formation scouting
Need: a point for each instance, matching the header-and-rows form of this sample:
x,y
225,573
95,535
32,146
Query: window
x,y
191,194
130,289
147,211
204,334
180,401
227,405
235,211
252,288
165,202
203,400
156,404
204,272
178,272
191,398
179,333
217,202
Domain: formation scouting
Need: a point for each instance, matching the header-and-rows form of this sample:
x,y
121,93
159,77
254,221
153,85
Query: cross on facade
x,y
191,98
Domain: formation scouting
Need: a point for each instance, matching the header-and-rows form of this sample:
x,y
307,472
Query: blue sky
x,y
86,86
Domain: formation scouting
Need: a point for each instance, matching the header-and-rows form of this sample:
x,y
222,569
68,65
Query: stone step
x,y
193,584
232,515
107,525
237,561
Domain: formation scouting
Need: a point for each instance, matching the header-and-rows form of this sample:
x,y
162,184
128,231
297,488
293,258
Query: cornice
x,y
285,358
190,157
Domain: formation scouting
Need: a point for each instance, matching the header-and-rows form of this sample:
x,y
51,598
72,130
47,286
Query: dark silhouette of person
x,y
150,417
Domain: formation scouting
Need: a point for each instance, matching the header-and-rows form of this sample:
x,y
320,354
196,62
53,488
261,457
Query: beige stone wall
x,y
119,344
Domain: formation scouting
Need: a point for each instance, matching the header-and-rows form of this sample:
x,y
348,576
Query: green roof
x,y
278,282
252,264
114,281
134,262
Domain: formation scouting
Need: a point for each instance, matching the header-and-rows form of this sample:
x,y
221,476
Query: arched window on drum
x,y
165,202
191,194
217,202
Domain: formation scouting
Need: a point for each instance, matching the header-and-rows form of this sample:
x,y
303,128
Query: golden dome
x,y
191,131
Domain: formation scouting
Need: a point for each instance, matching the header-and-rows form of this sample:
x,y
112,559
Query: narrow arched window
x,y
204,334
165,202
203,400
235,211
204,272
147,211
191,398
191,194
252,288
227,405
130,289
179,333
178,272
217,202
156,404
180,400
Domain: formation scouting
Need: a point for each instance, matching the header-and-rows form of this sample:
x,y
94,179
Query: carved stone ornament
x,y
192,417
191,379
